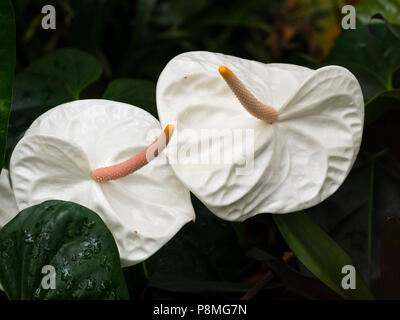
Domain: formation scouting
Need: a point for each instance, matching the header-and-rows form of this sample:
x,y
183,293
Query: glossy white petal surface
x,y
55,157
299,160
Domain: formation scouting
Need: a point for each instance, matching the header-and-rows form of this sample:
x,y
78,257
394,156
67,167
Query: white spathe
x,y
299,160
55,157
8,208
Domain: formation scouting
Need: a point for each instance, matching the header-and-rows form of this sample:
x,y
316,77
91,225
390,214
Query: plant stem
x,y
258,286
145,272
265,279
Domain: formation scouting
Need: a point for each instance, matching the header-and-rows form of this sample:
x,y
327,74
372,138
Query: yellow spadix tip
x,y
169,129
225,72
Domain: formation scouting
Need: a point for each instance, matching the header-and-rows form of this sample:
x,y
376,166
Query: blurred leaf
x,y
237,21
382,103
72,239
325,20
395,29
144,9
52,80
176,12
306,287
389,9
372,53
69,69
7,65
319,253
140,93
390,260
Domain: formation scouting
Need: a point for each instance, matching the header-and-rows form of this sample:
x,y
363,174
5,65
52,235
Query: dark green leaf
x,y
7,65
72,239
34,90
372,53
390,260
382,103
54,79
57,77
319,253
140,93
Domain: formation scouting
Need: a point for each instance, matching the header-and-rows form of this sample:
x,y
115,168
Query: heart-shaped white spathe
x,y
8,208
55,157
299,160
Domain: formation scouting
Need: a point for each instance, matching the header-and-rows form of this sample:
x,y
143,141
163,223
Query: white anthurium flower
x,y
8,208
295,132
80,152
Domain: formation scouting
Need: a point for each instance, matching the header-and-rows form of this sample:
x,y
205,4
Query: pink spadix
x,y
139,160
247,99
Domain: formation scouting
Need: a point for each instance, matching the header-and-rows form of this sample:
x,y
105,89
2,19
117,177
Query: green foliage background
x,y
117,49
